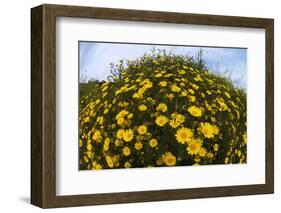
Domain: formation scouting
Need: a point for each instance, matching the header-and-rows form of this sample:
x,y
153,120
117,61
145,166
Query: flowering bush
x,y
161,110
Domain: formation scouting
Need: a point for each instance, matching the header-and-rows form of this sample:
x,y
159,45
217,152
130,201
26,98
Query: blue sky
x,y
95,58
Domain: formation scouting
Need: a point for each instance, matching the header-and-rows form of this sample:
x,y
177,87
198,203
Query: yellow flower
x,y
175,88
161,120
98,167
169,75
97,101
239,153
142,129
179,117
106,144
151,100
181,72
146,85
208,130
184,135
141,91
87,119
118,142
105,88
126,151
100,120
118,92
223,106
128,135
226,160
137,96
127,164
158,75
210,155
216,147
138,145
227,94
162,107
109,161
197,159
163,83
184,93
121,114
170,96
215,129
115,160
195,86
192,98
153,142
89,147
130,116
195,111
86,159
90,154
169,159
177,120
174,123
245,138
97,135
202,152
123,104
191,91
120,133
142,107
194,147
159,161
213,119
120,121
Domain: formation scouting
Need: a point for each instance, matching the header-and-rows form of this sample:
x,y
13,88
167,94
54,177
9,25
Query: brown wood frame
x,y
43,105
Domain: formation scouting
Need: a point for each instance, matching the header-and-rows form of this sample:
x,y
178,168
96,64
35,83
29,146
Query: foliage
x,y
162,109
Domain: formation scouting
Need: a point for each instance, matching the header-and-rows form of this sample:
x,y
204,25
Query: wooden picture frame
x,y
43,105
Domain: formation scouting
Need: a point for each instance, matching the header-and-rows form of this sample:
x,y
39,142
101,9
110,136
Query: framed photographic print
x,y
136,106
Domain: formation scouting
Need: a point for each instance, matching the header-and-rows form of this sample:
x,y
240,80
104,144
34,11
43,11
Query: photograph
x,y
144,105
137,105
